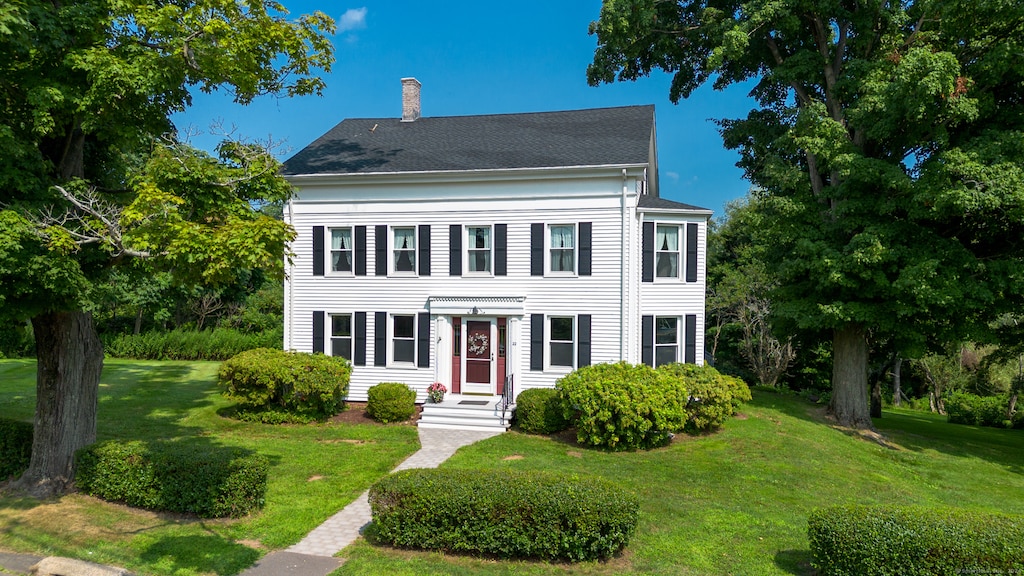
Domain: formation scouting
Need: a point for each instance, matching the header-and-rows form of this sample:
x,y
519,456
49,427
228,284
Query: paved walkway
x,y
314,555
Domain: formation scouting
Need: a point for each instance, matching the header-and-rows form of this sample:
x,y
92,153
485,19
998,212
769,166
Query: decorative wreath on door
x,y
477,343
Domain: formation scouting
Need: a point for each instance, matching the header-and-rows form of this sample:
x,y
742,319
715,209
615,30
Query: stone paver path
x,y
343,528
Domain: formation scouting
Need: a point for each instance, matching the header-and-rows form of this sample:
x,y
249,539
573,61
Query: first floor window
x,y
666,245
561,340
666,340
563,247
478,242
341,249
403,338
405,249
341,335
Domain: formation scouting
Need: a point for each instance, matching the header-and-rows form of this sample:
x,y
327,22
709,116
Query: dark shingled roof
x,y
648,201
594,137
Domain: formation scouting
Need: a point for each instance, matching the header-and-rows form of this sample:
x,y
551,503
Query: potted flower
x,y
436,392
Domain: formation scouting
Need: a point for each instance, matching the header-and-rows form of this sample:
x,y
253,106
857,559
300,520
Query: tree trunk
x,y
70,359
876,398
896,391
849,402
138,322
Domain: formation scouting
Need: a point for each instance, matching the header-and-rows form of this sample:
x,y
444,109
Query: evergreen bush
x,y
714,397
914,541
210,482
390,402
539,411
309,386
623,406
15,447
511,514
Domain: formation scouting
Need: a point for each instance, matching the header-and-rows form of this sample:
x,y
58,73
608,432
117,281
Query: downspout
x,y
623,269
289,277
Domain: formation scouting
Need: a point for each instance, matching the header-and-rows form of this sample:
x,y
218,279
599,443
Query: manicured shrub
x,y
15,447
311,386
539,411
506,513
390,402
714,396
914,541
623,406
186,344
208,481
973,410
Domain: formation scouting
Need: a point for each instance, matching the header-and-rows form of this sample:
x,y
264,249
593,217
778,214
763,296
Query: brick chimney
x,y
410,99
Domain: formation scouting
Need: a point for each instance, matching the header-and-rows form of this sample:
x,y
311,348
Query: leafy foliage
x,y
623,406
539,411
504,513
390,402
15,447
210,482
914,541
714,397
183,344
974,410
308,385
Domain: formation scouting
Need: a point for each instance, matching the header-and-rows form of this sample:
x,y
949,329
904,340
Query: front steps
x,y
454,413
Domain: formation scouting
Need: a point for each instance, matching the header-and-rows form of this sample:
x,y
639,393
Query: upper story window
x,y
403,338
341,335
341,250
479,248
666,340
667,251
404,249
562,247
561,341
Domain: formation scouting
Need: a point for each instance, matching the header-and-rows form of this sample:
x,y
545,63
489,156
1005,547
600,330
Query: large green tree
x,y
92,174
888,145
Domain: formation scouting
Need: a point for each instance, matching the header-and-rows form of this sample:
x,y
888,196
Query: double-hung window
x,y
562,341
341,250
341,335
478,248
666,340
562,247
404,248
667,251
403,338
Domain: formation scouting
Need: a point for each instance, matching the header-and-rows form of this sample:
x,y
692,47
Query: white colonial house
x,y
490,253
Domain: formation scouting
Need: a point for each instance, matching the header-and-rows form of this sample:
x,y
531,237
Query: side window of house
x,y
562,247
666,244
341,335
478,248
403,338
341,250
404,248
561,341
666,340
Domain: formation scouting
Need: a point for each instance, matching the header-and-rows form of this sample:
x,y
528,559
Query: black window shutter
x,y
318,251
648,255
318,331
361,252
424,249
423,340
690,345
647,340
536,249
583,346
586,250
359,335
455,250
691,252
380,250
501,249
380,338
536,341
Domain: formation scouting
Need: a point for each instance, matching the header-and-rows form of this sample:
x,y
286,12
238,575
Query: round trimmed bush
x,y
310,386
714,396
623,406
539,411
390,402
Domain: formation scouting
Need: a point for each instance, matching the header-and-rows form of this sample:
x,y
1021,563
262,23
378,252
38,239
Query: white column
x,y
443,350
512,355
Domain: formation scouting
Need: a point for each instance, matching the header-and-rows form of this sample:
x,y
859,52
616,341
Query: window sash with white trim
x,y
666,340
562,248
403,338
341,335
404,249
562,341
341,250
668,252
479,249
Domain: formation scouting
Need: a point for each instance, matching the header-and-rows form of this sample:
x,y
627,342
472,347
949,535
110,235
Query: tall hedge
x,y
714,396
623,406
914,541
15,447
208,481
311,385
510,514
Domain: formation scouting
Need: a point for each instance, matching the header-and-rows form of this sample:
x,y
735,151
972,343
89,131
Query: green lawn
x,y
734,502
315,471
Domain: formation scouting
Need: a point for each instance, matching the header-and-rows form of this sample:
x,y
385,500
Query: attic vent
x,y
410,99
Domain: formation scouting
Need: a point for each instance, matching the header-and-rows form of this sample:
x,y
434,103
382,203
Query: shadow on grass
x,y
796,562
198,554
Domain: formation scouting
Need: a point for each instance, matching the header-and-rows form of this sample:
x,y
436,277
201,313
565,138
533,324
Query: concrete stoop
x,y
466,412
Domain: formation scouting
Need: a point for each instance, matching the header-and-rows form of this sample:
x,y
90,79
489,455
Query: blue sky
x,y
479,57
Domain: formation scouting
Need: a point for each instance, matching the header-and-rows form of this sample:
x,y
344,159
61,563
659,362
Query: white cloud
x,y
352,19
673,176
